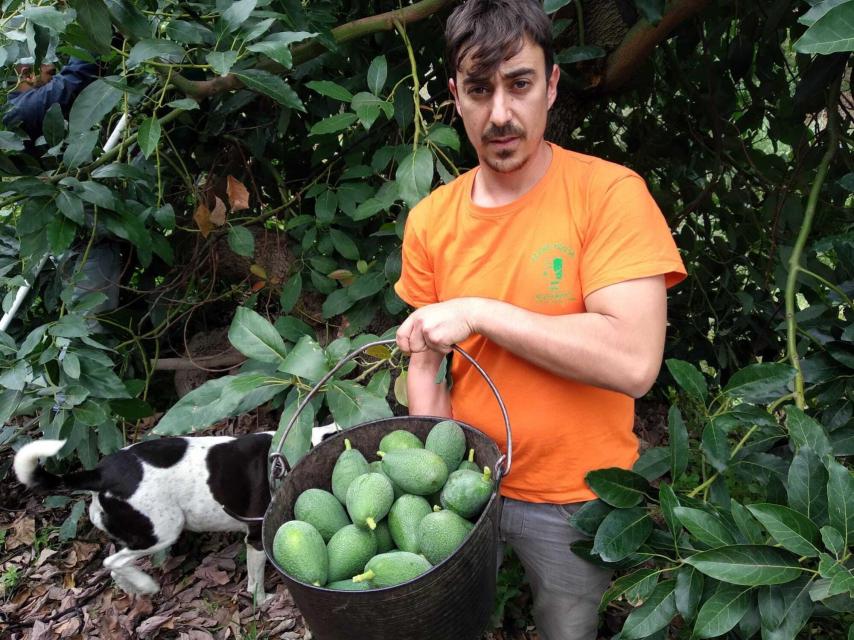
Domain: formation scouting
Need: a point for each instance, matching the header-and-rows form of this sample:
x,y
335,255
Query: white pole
x,y
112,141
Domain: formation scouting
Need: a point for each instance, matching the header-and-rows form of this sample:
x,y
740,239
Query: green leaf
x,y
818,10
89,413
571,55
215,400
69,326
92,15
748,565
715,447
790,529
618,487
367,285
689,378
325,206
333,124
298,441
60,234
707,528
785,609
551,6
653,463
149,49
306,360
330,89
377,74
623,584
352,404
831,33
807,485
336,303
53,125
722,611
689,591
79,149
241,241
9,141
71,207
415,176
270,85
132,409
17,376
237,13
833,541
149,136
650,10
678,443
68,529
290,293
48,17
368,107
840,499
806,432
444,136
588,518
668,501
344,244
760,383
653,615
746,523
255,337
92,104
189,32
621,533
221,61
276,46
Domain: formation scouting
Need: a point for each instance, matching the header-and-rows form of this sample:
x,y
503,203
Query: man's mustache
x,y
506,131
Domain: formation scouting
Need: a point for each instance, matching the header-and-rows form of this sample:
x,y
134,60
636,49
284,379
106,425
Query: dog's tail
x,y
31,474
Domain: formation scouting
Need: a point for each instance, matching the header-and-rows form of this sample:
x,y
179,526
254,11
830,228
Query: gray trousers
x,y
566,589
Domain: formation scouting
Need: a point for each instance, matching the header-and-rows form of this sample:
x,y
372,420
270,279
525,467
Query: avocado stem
x,y
372,524
347,445
364,577
381,454
471,455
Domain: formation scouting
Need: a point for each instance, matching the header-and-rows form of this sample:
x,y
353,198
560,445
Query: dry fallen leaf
x,y
23,533
238,195
218,213
202,216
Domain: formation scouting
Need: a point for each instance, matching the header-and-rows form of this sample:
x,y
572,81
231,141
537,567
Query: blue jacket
x,y
28,108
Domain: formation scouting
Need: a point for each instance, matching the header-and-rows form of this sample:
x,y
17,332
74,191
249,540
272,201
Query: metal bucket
x,y
452,601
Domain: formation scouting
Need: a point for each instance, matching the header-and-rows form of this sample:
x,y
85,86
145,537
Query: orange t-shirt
x,y
585,225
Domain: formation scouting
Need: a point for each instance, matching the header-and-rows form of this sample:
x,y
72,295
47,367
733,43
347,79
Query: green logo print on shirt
x,y
552,259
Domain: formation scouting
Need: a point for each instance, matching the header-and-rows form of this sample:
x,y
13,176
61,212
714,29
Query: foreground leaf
x,y
748,565
722,611
653,615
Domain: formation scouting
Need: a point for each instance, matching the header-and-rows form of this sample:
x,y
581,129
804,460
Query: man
x,y
34,94
550,268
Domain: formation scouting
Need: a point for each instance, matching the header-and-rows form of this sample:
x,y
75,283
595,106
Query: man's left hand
x,y
439,326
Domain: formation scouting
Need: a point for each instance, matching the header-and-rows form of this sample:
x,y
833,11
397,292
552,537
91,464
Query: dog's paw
x,y
135,582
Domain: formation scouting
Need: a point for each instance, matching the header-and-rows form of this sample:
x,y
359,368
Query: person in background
x,y
550,268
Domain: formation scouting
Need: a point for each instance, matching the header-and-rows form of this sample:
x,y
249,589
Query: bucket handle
x,y
279,464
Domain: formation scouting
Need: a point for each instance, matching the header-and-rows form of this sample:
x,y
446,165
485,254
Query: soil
x,y
52,589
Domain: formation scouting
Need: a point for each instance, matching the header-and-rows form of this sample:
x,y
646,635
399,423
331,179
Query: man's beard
x,y
507,160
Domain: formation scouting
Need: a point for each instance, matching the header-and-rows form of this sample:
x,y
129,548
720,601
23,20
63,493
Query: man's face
x,y
505,114
28,80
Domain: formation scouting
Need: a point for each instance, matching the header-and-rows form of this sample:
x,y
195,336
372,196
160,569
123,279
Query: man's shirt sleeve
x,y
417,285
627,237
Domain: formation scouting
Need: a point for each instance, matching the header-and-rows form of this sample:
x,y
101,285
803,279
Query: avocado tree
x,y
267,154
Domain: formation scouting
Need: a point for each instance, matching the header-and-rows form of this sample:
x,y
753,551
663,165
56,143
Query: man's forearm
x,y
589,347
425,397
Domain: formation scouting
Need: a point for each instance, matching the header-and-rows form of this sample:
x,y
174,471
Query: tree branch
x,y
642,39
200,89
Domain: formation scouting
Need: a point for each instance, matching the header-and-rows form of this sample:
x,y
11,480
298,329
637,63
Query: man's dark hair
x,y
494,31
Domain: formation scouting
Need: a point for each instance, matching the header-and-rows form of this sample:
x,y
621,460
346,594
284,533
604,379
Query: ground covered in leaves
x,y
51,589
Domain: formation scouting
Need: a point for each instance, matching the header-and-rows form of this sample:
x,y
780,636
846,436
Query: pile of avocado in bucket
x,y
388,521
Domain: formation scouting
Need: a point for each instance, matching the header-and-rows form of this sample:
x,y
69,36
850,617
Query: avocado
x,y
394,567
369,499
349,585
322,510
416,471
406,512
350,464
466,492
448,441
469,463
383,534
377,467
400,439
349,549
440,533
299,549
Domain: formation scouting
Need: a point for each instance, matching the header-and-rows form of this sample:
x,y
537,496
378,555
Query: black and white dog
x,y
146,494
